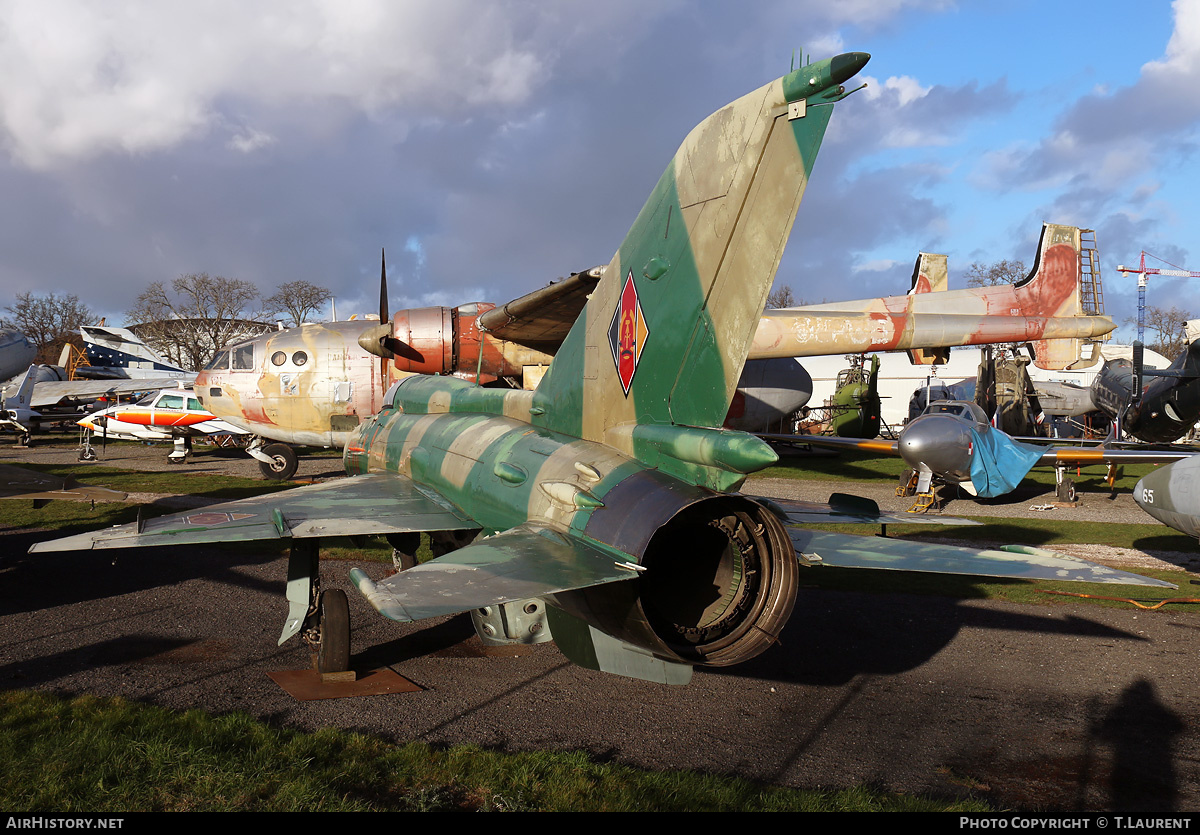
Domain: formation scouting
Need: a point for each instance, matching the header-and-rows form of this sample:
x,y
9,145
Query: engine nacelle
x,y
430,332
718,582
1113,387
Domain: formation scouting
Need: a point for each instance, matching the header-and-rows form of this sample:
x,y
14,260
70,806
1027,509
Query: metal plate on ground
x,y
307,686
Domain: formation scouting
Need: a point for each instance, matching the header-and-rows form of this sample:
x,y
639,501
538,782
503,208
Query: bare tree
x,y
48,321
990,275
782,297
298,299
204,314
1167,330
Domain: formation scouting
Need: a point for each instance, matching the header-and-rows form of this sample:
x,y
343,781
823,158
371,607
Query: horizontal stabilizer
x,y
1022,563
51,392
378,503
524,562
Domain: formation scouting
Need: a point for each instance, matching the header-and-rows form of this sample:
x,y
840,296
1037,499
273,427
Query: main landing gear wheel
x,y
333,619
1066,491
283,462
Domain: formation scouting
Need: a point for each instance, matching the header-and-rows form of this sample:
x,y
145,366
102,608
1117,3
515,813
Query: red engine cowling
x,y
430,332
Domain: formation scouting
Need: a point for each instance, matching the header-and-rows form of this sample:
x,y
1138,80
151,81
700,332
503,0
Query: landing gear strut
x,y
322,618
404,549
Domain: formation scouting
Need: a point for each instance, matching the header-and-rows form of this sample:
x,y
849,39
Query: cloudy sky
x,y
493,146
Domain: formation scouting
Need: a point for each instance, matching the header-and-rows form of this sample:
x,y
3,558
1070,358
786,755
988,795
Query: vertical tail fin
x,y
1054,285
664,335
22,394
124,353
930,275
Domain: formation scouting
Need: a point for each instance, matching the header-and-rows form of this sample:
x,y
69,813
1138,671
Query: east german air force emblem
x,y
627,333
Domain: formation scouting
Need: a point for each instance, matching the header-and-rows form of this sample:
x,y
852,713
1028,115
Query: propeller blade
x,y
385,319
1138,367
384,316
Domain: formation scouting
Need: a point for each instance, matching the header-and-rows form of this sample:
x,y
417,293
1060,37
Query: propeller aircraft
x,y
172,414
311,385
603,504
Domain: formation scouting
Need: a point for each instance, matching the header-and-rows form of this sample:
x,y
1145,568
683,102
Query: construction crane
x,y
1143,272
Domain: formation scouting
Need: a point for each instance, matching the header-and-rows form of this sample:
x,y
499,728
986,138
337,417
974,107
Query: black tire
x,y
283,462
333,652
1066,491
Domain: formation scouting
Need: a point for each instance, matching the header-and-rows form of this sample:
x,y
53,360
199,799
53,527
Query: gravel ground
x,y
1057,706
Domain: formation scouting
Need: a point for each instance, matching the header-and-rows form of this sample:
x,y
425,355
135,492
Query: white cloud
x,y
79,79
1183,50
878,265
904,89
250,140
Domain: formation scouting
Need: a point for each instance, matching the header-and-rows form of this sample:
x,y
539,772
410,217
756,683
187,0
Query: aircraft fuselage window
x,y
299,358
278,358
170,401
193,404
219,363
243,358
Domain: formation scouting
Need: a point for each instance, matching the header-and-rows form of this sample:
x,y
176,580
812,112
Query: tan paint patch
x,y
562,467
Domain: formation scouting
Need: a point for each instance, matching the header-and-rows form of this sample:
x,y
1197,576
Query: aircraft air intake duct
x,y
718,585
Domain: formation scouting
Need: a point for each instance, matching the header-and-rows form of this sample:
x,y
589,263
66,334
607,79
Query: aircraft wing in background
x,y
19,483
52,392
540,320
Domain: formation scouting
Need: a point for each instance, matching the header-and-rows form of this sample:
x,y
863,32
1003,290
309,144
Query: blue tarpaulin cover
x,y
999,462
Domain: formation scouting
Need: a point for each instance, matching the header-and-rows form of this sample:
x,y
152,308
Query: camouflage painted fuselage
x,y
664,512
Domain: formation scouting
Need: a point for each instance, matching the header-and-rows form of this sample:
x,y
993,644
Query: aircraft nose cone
x,y
1171,495
1154,493
939,443
847,65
